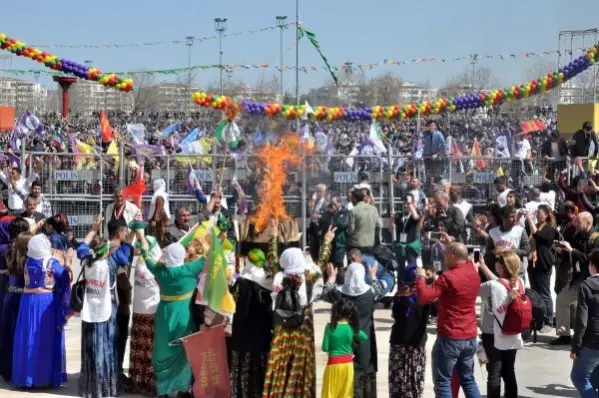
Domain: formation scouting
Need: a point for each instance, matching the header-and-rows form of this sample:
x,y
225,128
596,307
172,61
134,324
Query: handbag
x,y
78,290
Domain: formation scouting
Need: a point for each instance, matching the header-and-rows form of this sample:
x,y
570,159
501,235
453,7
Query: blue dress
x,y
58,241
39,357
99,374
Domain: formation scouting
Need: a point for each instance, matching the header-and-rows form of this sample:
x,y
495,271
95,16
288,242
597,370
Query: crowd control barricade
x,y
81,185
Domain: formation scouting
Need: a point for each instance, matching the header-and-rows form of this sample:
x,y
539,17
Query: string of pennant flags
x,y
344,68
472,100
168,42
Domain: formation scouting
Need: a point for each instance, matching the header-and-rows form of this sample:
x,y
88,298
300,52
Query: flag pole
x,y
222,169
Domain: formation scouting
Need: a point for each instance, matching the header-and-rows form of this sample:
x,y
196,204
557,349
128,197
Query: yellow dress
x,y
338,380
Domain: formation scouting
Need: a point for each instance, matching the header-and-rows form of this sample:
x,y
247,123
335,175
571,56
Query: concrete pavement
x,y
542,370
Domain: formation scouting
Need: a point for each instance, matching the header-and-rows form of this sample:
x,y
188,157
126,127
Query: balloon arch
x,y
473,100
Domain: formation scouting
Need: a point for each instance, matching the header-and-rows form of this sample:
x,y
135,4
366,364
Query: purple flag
x,y
142,151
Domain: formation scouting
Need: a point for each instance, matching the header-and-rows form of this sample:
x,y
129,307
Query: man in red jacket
x,y
456,290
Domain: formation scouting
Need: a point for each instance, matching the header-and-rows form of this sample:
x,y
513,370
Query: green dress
x,y
173,321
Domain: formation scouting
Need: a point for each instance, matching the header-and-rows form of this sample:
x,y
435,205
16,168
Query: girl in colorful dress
x,y
364,296
339,336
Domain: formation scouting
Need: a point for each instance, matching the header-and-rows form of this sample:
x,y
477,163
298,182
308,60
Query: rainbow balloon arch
x,y
473,100
52,61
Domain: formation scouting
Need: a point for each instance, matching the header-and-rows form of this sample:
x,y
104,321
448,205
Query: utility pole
x,y
281,25
189,43
220,25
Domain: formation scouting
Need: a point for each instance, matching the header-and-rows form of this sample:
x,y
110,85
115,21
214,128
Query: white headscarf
x,y
160,191
39,247
293,262
256,274
355,283
174,255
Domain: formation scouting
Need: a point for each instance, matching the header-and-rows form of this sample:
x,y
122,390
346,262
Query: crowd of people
x,y
431,275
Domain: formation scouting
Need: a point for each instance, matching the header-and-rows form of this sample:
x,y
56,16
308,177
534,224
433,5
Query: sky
x,y
349,30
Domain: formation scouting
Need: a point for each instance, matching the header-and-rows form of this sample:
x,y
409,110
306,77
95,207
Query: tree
x,y
477,79
540,67
145,95
266,90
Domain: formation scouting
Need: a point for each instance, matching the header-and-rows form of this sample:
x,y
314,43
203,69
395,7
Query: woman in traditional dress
x,y
159,215
100,261
15,259
407,353
39,350
291,369
364,296
146,296
177,281
252,328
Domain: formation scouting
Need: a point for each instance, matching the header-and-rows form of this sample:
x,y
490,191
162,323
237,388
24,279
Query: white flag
x,y
350,158
308,111
138,133
376,137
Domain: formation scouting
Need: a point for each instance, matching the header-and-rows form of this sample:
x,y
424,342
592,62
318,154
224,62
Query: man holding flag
x,y
18,188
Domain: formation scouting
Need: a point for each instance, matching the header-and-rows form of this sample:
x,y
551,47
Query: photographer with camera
x,y
449,218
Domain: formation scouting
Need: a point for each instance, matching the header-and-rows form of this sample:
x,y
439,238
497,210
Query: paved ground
x,y
542,370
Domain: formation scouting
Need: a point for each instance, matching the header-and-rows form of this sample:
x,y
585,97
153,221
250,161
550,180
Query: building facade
x,y
88,97
412,92
164,97
23,95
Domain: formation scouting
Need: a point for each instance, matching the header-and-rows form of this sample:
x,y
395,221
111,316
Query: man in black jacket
x,y
585,344
585,241
450,218
581,141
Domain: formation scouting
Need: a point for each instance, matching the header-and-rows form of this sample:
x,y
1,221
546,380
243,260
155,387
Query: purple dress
x,y
39,345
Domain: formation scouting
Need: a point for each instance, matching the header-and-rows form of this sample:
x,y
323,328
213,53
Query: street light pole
x,y
281,25
220,25
297,129
189,43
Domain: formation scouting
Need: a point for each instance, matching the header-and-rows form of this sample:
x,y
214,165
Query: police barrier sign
x,y
74,175
346,176
483,178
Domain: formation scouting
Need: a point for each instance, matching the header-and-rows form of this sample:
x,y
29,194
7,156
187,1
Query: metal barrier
x,y
80,185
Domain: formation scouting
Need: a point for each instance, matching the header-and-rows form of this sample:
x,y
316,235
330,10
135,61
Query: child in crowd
x,y
339,336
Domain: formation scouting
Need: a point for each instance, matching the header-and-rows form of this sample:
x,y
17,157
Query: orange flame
x,y
276,161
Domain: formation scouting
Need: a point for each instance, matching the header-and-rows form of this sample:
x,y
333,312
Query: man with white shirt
x,y
501,186
533,204
18,188
523,154
43,205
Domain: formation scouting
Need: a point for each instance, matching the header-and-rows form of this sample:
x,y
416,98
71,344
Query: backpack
x,y
385,256
288,312
518,315
78,289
